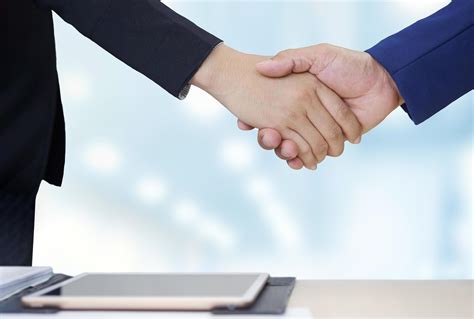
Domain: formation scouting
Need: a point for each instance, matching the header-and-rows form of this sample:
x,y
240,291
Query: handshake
x,y
306,102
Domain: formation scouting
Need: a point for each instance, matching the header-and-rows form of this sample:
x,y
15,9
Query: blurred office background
x,y
157,184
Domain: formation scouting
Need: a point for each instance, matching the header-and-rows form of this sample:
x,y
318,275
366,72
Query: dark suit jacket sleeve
x,y
145,34
432,61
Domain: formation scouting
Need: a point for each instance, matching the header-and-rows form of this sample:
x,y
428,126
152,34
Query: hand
x,y
294,105
363,84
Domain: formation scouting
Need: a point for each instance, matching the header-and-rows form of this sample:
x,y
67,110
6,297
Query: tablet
x,y
151,291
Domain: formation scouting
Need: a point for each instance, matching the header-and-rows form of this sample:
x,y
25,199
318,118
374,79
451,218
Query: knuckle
x,y
334,133
323,47
322,151
291,115
299,62
305,150
303,96
322,148
286,53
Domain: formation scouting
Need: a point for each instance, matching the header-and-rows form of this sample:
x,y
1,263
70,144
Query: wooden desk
x,y
366,298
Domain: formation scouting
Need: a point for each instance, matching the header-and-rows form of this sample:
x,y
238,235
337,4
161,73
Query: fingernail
x,y
357,140
266,140
313,168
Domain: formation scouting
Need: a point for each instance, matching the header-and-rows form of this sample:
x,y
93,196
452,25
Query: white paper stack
x,y
15,279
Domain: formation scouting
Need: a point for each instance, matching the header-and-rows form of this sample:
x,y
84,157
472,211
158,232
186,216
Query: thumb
x,y
280,66
276,67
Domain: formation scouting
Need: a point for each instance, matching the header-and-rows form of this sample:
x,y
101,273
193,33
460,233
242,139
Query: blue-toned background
x,y
157,184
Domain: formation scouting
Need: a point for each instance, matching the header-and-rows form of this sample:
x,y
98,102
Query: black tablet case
x,y
13,304
272,300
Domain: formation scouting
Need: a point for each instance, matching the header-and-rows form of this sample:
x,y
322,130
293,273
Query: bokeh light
x,y
157,184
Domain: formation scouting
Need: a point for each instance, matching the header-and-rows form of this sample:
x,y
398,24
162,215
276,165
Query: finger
x,y
341,113
305,151
326,125
288,149
269,138
244,126
295,163
309,131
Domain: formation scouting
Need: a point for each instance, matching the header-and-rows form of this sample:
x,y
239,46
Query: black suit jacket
x,y
145,34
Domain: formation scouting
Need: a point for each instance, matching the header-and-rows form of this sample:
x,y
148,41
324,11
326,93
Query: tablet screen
x,y
157,285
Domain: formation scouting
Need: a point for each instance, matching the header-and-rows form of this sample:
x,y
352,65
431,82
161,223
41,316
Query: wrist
x,y
386,85
389,86
394,88
214,75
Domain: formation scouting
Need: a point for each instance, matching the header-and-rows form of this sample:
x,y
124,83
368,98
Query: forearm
x,y
146,35
431,61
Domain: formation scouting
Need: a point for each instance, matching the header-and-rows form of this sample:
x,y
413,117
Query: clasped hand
x,y
306,102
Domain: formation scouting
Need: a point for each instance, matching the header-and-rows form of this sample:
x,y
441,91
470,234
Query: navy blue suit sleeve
x,y
145,34
432,61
